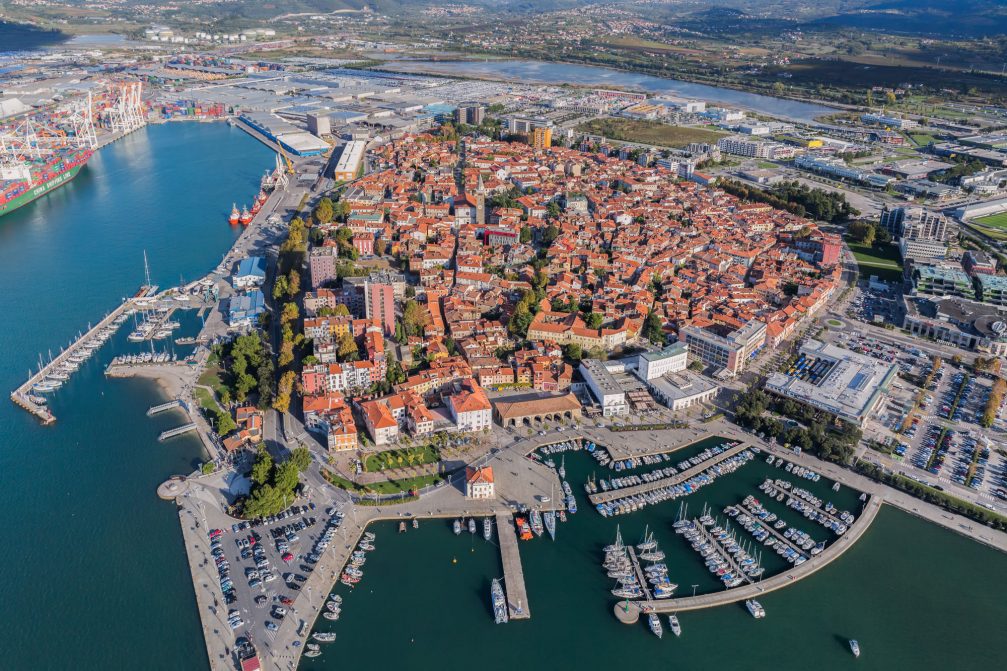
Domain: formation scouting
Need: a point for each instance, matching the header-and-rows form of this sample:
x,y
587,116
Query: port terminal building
x,y
285,134
838,381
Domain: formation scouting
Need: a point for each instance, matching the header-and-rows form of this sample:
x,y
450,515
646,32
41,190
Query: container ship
x,y
24,181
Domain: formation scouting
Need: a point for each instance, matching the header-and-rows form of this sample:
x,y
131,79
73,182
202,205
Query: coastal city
x,y
372,308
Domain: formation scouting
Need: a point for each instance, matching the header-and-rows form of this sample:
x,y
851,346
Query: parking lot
x,y
876,306
943,443
262,565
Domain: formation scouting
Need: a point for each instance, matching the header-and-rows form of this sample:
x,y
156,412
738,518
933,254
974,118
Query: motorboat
x,y
499,602
487,528
331,615
756,609
854,647
457,527
676,628
324,636
472,526
654,622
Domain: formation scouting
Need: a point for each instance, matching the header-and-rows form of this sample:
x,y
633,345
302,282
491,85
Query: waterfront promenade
x,y
510,556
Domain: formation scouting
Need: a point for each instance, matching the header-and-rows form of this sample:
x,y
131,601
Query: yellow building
x,y
541,138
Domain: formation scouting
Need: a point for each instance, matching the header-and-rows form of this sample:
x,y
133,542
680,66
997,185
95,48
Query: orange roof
x,y
479,475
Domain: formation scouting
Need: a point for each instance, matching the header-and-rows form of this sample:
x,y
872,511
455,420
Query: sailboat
x,y
562,466
549,517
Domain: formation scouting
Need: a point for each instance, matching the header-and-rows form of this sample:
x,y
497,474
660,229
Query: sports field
x,y
993,220
881,261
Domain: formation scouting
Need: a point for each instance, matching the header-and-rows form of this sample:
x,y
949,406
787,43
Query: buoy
x,y
454,560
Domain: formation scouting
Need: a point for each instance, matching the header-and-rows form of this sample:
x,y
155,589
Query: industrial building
x,y
838,381
244,309
251,272
287,135
349,161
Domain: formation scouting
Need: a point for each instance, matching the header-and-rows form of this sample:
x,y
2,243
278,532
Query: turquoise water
x,y
94,573
903,591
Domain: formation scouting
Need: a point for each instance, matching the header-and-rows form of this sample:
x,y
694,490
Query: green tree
x,y
594,320
347,347
573,352
324,211
280,287
262,469
301,457
653,328
525,237
415,318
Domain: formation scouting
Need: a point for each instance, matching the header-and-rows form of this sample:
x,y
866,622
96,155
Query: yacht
x,y
756,609
457,526
536,522
324,636
676,628
654,622
499,602
472,525
416,523
854,647
487,528
550,523
331,615
312,653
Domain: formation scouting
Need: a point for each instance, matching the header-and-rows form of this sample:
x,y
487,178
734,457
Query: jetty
x,y
721,550
642,488
20,396
155,409
629,611
769,528
635,561
517,596
177,431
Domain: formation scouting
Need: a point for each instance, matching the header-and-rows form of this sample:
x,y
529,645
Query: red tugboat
x,y
246,216
235,217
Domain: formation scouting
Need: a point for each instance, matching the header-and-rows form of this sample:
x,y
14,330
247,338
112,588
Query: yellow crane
x,y
286,159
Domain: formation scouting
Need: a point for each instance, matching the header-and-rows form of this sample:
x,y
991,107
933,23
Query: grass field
x,y
993,232
993,221
922,139
881,261
412,456
648,132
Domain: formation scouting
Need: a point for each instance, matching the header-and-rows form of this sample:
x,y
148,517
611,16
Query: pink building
x,y
379,305
364,244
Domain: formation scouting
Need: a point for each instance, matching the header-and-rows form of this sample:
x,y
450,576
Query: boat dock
x,y
154,409
630,612
635,561
177,431
722,551
613,494
780,538
517,596
20,396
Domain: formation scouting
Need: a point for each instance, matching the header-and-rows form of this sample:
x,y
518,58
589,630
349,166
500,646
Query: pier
x,y
177,431
20,396
721,550
635,561
780,538
517,596
629,612
614,494
154,409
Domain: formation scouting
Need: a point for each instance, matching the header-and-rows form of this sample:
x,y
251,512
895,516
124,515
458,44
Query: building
x,y
379,421
963,323
942,281
671,359
923,251
741,146
349,161
604,387
524,125
534,409
251,272
470,409
991,289
319,124
322,262
731,352
975,261
889,121
541,138
472,114
838,169
843,383
244,309
479,483
379,305
914,223
682,389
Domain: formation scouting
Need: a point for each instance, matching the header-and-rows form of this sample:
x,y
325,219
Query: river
x,y
94,573
566,73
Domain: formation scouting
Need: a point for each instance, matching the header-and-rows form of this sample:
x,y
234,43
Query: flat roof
x,y
849,390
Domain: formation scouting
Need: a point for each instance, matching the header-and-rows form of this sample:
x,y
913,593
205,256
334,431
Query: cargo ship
x,y
24,181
